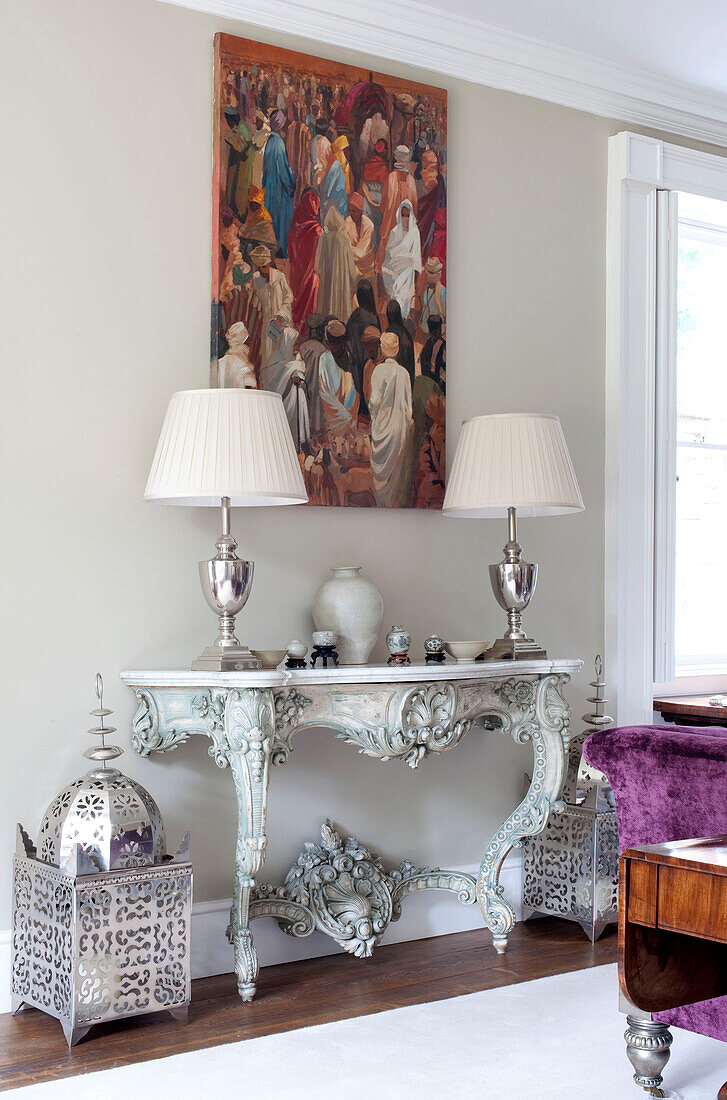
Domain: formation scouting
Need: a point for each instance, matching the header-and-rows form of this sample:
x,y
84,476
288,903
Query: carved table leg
x,y
249,732
647,1047
542,719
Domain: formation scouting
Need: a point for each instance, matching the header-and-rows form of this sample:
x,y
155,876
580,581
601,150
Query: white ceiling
x,y
684,40
658,63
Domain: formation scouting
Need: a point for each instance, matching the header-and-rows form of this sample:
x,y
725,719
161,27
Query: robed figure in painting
x,y
429,473
297,144
336,268
234,370
278,182
336,390
391,422
260,136
375,176
395,324
337,183
360,231
399,186
275,300
438,247
433,294
364,316
320,153
305,232
431,383
312,350
433,359
432,197
240,157
285,374
403,259
258,225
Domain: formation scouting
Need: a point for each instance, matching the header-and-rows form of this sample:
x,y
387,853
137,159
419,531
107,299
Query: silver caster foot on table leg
x,y
647,1048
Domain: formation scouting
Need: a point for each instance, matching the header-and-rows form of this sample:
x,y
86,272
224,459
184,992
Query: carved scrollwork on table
x,y
290,707
382,721
147,733
153,731
344,886
293,917
210,707
345,890
410,880
421,722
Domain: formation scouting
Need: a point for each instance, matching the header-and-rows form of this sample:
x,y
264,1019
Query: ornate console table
x,y
407,713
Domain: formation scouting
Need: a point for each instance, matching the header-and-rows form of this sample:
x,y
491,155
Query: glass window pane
x,y
701,493
702,339
701,556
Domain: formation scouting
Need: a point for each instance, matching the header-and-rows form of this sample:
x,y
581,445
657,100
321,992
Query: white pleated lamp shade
x,y
226,443
512,460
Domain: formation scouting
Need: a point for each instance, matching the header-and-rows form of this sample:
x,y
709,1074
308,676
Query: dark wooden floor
x,y
316,991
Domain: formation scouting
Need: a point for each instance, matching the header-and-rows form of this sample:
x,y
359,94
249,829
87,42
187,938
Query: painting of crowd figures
x,y
330,266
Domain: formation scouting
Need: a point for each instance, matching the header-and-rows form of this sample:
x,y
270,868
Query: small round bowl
x,y
465,651
270,658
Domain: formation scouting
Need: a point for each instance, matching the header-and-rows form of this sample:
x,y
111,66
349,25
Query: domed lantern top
x,y
114,819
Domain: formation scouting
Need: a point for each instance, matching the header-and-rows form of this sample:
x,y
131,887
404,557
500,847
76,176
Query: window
x,y
666,364
690,604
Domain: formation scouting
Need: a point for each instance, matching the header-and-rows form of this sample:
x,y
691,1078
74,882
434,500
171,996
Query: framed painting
x,y
329,269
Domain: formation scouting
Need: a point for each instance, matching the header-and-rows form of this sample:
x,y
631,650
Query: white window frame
x,y
638,168
665,423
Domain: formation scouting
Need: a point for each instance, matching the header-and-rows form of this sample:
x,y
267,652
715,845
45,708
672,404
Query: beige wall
x,y
105,290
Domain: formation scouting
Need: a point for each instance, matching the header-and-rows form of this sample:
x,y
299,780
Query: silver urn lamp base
x,y
513,583
226,584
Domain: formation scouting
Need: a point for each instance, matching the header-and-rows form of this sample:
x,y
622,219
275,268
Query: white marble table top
x,y
349,674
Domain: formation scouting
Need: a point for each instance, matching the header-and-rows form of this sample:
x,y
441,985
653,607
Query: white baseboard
x,y
423,915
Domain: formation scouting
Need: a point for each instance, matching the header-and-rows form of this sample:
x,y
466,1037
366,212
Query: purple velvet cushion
x,y
669,783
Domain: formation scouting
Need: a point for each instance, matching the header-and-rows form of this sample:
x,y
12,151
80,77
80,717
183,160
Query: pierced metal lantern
x,y
101,915
571,869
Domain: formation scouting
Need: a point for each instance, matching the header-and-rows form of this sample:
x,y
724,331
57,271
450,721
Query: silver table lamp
x,y
509,464
226,448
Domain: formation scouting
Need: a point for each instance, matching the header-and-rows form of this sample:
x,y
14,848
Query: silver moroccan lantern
x,y
100,888
571,869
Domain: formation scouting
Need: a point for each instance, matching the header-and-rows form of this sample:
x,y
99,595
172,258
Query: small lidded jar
x,y
398,641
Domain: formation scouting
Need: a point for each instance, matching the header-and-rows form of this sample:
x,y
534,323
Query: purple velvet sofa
x,y
669,783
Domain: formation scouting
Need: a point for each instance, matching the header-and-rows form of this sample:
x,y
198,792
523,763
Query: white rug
x,y
557,1038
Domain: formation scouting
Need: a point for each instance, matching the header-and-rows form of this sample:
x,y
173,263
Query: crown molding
x,y
417,34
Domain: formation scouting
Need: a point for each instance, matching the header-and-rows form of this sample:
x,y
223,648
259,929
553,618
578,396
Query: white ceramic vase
x,y
353,607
